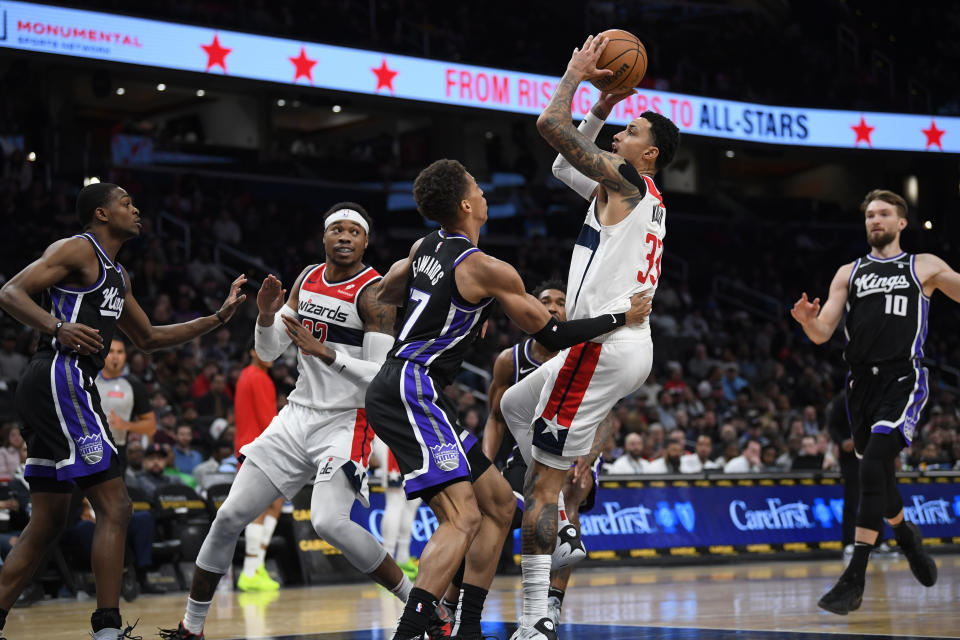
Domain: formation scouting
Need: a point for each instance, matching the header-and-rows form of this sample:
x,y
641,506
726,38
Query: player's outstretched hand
x,y
271,295
234,299
583,62
607,101
80,338
305,340
805,311
583,471
640,306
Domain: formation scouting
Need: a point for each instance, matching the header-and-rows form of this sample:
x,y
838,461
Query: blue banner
x,y
637,519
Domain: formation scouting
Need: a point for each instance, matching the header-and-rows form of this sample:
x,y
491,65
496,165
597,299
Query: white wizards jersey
x,y
329,310
611,263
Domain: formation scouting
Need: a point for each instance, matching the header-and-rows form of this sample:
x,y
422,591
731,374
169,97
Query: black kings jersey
x,y
439,326
886,318
523,361
98,306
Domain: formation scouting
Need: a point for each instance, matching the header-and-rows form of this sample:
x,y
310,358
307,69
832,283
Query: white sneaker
x,y
543,630
569,549
553,610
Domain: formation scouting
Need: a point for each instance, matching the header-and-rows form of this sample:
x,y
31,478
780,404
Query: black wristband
x,y
220,318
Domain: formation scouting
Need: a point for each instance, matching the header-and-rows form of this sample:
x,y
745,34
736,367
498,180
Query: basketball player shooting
x,y
886,295
616,255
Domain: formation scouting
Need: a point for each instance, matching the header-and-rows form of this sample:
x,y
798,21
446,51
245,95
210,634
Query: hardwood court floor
x,y
736,601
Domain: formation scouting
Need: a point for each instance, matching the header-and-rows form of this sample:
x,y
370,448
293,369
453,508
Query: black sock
x,y
105,619
3,617
416,615
857,569
473,599
452,605
555,593
904,535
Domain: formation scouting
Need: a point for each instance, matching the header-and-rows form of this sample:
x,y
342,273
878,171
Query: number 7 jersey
x,y
887,311
611,263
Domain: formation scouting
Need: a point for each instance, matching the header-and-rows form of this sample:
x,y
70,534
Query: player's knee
x,y
872,477
333,530
467,520
506,506
228,521
115,511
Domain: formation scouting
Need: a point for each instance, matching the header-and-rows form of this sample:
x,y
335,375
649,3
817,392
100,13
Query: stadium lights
x,y
161,87
91,180
281,102
121,91
911,190
337,108
32,157
928,225
730,153
201,93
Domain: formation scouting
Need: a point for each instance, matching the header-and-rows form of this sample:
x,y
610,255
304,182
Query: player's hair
x,y
350,205
559,285
889,197
439,189
92,197
666,137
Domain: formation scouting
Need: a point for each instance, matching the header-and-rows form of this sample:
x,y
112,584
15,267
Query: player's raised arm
x,y
556,125
937,274
499,382
270,335
589,128
392,289
820,323
147,337
482,276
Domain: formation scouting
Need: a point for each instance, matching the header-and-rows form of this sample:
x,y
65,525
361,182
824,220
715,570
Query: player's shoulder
x,y
71,248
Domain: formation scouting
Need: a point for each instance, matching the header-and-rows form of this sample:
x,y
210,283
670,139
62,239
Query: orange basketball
x,y
626,56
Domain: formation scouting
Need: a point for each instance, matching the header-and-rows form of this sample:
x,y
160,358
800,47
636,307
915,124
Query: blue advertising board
x,y
721,517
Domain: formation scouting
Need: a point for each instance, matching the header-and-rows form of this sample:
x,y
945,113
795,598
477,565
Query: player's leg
x,y
405,530
330,508
50,502
459,519
257,536
250,495
907,534
574,494
395,501
113,507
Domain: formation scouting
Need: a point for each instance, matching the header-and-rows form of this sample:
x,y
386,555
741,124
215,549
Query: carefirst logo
x,y
776,515
928,512
869,283
614,521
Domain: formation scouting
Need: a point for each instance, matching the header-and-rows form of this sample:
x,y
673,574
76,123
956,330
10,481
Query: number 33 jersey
x,y
611,263
887,311
329,310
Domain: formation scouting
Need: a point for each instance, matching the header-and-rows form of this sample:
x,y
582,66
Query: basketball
x,y
626,56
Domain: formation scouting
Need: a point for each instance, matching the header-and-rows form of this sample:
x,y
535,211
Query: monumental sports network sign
x,y
100,36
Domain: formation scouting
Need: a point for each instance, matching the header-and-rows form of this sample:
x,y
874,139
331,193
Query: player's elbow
x,y
545,124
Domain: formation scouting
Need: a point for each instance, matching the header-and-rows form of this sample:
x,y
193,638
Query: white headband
x,y
346,214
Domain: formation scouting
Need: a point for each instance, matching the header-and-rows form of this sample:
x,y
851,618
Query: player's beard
x,y
881,240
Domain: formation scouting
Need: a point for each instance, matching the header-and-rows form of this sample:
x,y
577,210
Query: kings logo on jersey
x,y
112,304
447,456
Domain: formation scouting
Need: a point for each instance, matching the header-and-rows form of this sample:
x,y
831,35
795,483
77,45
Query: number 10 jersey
x,y
886,319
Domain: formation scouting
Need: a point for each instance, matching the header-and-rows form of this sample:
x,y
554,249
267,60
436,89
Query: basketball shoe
x,y
921,564
846,595
569,549
441,623
178,634
543,630
116,634
553,610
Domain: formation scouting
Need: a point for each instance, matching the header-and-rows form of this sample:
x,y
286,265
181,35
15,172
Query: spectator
x,y
217,400
222,450
700,364
185,459
675,384
12,362
152,477
699,460
768,458
811,426
631,462
748,461
669,462
732,383
10,452
167,431
809,457
134,464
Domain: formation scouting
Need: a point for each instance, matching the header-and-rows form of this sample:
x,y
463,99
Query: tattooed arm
x,y
556,126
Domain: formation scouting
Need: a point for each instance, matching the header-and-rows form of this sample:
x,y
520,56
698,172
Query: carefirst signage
x,y
99,36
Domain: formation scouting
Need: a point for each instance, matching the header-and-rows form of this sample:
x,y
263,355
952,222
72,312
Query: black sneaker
x,y
441,623
178,634
921,564
846,596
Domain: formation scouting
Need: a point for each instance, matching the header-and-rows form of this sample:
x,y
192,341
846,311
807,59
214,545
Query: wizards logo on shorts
x,y
446,456
90,448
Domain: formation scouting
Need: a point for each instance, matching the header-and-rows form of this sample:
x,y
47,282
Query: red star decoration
x,y
385,76
933,135
863,132
304,66
216,55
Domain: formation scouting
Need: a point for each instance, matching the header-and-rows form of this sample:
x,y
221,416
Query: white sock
x,y
254,534
536,584
196,615
269,524
562,511
402,590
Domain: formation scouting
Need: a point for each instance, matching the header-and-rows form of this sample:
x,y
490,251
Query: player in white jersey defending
x,y
344,334
617,254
